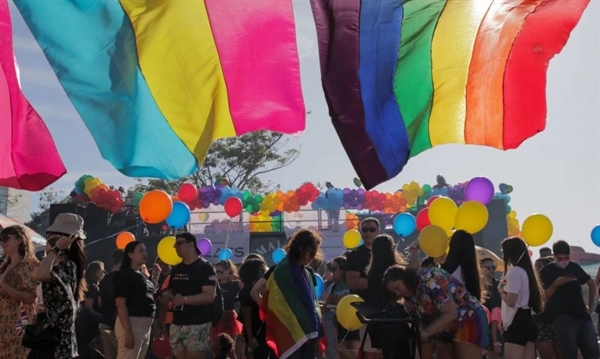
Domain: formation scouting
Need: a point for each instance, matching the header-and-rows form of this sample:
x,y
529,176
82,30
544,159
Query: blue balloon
x,y
225,254
405,224
180,215
278,255
362,241
596,235
320,288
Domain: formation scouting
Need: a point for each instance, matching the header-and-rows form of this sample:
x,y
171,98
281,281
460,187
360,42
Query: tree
x,y
239,160
40,219
8,201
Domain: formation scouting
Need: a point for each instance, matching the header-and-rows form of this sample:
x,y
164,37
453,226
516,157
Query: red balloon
x,y
233,206
430,201
530,253
423,219
187,192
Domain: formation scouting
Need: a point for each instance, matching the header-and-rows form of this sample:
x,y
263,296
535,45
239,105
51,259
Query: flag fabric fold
x,y
403,76
29,159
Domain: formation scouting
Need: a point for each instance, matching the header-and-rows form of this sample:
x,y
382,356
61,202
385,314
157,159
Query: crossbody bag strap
x,y
69,292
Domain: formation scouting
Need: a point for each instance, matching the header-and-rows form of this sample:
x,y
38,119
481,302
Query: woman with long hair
x,y
521,294
339,289
444,305
461,262
230,288
63,284
17,289
134,298
546,343
383,256
254,329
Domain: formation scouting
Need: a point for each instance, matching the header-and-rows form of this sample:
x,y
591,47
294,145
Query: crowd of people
x,y
448,307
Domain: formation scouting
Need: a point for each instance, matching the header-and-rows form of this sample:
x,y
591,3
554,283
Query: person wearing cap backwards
x,y
63,283
191,290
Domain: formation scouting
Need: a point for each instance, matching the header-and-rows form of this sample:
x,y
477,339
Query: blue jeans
x,y
576,333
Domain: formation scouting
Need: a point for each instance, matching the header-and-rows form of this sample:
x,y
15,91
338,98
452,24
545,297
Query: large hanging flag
x,y
157,81
403,76
28,157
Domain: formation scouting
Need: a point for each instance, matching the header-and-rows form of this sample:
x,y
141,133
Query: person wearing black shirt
x,y
358,261
192,289
493,303
562,281
106,303
134,297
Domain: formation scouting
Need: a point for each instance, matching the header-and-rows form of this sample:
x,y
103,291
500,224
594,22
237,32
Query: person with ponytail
x,y
521,295
63,284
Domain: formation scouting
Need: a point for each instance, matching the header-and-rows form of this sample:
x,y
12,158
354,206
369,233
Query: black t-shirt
x,y
245,302
567,299
358,260
107,296
493,299
138,290
92,293
230,291
188,280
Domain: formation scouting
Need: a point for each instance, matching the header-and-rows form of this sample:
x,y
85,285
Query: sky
x,y
556,173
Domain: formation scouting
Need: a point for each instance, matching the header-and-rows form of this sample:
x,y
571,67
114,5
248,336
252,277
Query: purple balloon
x,y
204,246
479,189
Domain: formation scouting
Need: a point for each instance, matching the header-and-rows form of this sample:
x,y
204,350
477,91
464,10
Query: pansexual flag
x,y
28,157
157,81
403,76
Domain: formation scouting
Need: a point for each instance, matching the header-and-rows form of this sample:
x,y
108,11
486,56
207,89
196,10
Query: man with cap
x,y
191,290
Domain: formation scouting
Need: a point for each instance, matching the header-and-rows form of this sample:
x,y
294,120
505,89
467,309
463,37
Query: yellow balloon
x,y
472,216
537,229
166,251
433,241
351,239
346,313
442,212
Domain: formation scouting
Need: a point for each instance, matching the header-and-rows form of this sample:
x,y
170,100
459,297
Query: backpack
x,y
218,309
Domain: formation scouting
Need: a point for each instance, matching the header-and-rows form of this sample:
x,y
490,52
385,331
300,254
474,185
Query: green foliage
x,y
40,219
240,160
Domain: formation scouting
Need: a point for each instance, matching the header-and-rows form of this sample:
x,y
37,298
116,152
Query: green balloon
x,y
258,198
426,188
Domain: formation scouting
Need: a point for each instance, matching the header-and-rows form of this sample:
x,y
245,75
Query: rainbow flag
x,y
29,159
403,76
157,81
290,309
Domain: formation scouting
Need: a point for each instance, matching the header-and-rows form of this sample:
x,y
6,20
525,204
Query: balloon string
x,y
228,231
107,237
344,338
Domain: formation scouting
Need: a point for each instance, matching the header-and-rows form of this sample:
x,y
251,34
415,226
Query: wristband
x,y
59,252
184,300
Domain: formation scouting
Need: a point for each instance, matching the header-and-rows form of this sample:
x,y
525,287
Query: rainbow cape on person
x,y
288,309
156,82
403,76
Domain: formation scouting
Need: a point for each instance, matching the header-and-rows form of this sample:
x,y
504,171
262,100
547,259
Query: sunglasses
x,y
5,239
369,229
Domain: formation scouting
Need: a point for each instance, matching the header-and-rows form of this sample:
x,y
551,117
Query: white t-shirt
x,y
458,274
517,282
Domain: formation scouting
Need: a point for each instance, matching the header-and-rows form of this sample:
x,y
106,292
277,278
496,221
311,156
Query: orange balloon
x,y
124,238
155,206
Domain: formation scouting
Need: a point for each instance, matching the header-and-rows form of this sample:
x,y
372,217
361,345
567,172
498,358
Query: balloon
x,y
405,224
233,206
155,206
180,215
124,238
346,313
320,287
166,251
479,189
278,255
433,241
596,235
225,254
430,200
187,192
442,212
351,239
204,246
537,229
423,219
472,216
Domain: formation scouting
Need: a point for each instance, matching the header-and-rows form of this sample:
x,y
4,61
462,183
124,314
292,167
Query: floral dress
x,y
437,288
61,307
12,314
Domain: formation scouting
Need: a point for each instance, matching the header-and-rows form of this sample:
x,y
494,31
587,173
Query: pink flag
x,y
29,159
